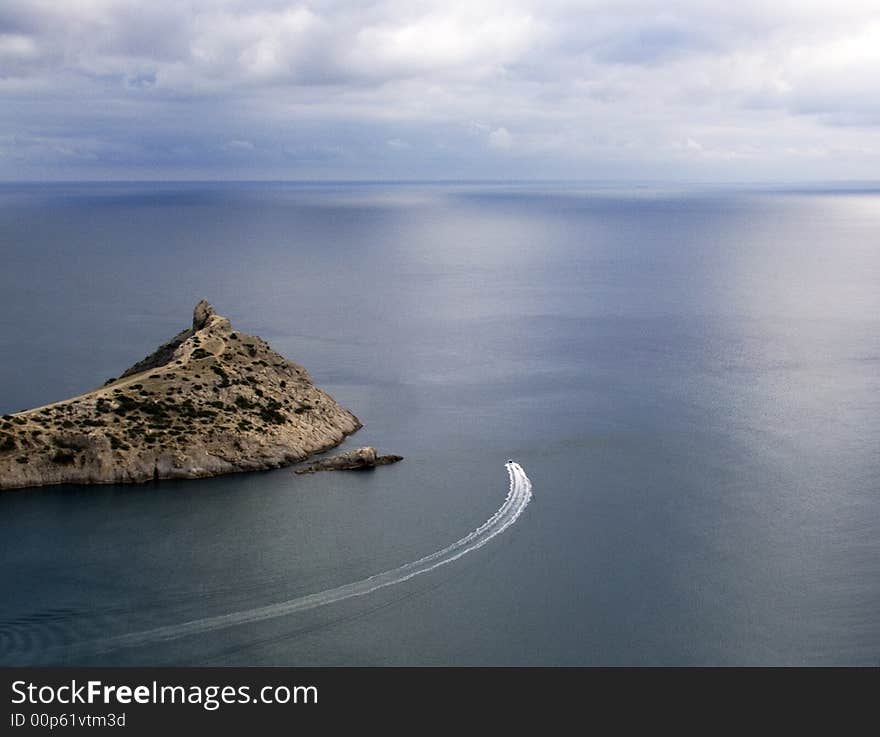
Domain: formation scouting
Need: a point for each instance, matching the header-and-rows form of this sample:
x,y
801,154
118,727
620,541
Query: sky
x,y
631,90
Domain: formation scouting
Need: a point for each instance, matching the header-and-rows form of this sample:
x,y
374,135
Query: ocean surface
x,y
689,376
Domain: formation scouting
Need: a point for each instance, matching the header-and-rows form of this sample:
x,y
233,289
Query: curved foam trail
x,y
518,497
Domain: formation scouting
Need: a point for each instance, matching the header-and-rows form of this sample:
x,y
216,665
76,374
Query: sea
x,y
689,375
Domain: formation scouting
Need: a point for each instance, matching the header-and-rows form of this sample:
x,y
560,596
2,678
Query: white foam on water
x,y
518,497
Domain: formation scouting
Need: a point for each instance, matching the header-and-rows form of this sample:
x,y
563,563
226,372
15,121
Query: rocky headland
x,y
211,401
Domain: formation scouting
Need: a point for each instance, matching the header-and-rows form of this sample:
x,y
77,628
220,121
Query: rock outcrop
x,y
210,401
351,460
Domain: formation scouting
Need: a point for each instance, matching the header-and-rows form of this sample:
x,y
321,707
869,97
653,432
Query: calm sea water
x,y
691,378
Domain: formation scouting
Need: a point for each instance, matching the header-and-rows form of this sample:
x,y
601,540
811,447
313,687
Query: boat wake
x,y
518,497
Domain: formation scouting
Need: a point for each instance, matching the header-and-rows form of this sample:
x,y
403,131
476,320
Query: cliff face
x,y
210,401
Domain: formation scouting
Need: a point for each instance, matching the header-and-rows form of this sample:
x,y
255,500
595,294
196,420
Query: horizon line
x,y
493,181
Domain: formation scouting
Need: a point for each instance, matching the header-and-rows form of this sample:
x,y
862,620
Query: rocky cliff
x,y
210,401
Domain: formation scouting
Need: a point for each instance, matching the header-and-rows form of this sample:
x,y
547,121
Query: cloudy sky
x,y
393,89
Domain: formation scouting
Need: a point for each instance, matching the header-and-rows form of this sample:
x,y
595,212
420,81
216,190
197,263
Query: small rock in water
x,y
351,460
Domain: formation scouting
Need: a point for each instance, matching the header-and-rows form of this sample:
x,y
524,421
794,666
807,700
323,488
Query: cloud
x,y
599,86
500,139
446,41
651,45
238,145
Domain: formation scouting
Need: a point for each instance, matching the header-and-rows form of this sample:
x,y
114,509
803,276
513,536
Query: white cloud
x,y
17,46
469,41
500,139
